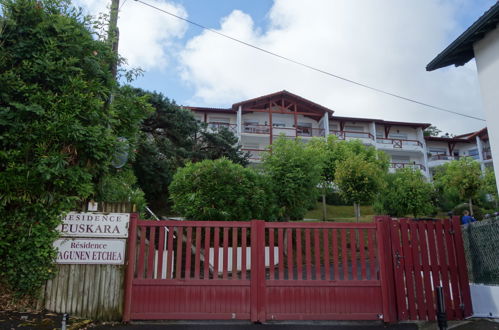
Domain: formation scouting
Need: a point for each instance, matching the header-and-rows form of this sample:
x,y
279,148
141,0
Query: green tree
x,y
463,177
333,152
431,131
55,133
406,192
490,185
294,171
171,137
358,180
220,190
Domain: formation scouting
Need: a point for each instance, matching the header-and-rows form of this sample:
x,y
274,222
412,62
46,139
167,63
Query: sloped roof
x,y
460,51
282,94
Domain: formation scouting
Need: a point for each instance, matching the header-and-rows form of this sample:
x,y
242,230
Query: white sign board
x,y
113,225
90,251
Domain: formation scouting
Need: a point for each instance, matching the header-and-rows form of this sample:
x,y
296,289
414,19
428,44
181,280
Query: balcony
x,y
256,129
440,159
398,166
309,131
255,154
409,145
487,154
347,135
214,125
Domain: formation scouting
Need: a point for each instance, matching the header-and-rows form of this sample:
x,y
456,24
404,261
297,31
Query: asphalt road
x,y
248,326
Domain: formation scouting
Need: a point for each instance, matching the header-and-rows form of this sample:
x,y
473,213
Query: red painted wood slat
x,y
178,253
317,253
225,256
161,250
290,253
353,251
362,254
169,257
234,253
243,253
151,252
444,270
416,258
344,258
454,276
271,255
308,255
336,259
280,247
299,252
197,257
326,252
408,269
426,270
216,241
188,253
142,251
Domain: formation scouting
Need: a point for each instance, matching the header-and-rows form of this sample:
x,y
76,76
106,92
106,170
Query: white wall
x,y
487,62
485,300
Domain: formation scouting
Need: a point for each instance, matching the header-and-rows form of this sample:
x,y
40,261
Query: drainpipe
x,y
479,145
326,124
372,128
239,118
425,152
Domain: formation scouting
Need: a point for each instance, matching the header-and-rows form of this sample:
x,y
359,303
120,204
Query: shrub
x,y
220,190
406,192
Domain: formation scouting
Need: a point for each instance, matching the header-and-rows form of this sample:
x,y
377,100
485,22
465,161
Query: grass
x,y
343,213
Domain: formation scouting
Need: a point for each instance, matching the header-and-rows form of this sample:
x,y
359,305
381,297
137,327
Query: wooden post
x,y
383,226
130,264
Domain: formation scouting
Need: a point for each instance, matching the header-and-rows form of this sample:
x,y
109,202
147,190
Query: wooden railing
x,y
342,135
443,157
487,154
399,143
407,165
217,125
256,129
309,131
255,154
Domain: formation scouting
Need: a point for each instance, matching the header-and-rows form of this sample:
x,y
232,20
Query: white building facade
x,y
257,122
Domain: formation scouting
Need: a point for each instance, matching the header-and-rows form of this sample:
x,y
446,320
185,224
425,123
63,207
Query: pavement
x,y
49,321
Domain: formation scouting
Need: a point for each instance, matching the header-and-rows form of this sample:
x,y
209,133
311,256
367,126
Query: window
x,y
399,136
401,159
437,151
474,153
278,124
251,146
351,131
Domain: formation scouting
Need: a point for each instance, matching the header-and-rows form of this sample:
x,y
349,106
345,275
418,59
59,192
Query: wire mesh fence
x,y
481,243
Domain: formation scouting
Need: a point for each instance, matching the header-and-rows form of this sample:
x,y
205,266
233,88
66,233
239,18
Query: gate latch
x,y
398,257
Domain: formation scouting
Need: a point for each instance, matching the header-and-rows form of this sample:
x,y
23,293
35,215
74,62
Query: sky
x,y
385,44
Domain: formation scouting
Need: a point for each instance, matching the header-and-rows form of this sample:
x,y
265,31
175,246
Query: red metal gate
x,y
262,271
257,271
427,254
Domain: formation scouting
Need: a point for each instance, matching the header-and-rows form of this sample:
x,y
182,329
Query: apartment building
x,y
257,122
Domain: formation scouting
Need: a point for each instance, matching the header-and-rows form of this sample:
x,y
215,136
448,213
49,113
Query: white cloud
x,y
385,44
146,34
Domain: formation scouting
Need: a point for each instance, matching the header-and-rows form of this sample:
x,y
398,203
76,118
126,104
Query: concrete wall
x,y
487,62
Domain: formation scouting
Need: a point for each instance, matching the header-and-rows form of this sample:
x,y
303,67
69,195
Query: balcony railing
x,y
255,154
399,143
342,135
309,131
398,166
443,157
487,154
256,129
214,125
